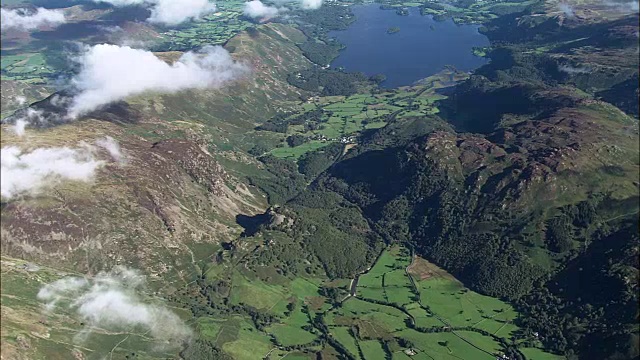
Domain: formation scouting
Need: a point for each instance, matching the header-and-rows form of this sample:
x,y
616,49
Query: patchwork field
x,y
446,320
27,67
404,308
329,119
214,29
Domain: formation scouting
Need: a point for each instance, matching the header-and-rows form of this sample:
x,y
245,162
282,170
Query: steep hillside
x,y
31,330
455,194
17,94
146,209
546,182
513,212
595,51
169,191
468,216
229,115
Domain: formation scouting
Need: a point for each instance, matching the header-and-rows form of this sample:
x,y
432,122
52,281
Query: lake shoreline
x,y
405,54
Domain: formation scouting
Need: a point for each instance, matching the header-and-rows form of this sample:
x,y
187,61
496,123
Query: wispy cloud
x,y
30,116
20,127
311,4
48,112
114,300
573,69
112,147
112,73
24,172
170,12
24,19
567,10
20,100
59,289
31,172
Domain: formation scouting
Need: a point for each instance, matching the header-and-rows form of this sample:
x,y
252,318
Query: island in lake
x,y
378,54
393,30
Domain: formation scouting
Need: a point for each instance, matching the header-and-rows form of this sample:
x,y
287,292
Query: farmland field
x,y
215,29
327,119
372,349
447,320
538,354
27,67
296,152
384,319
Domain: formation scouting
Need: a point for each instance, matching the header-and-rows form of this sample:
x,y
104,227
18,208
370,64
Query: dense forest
x,y
329,82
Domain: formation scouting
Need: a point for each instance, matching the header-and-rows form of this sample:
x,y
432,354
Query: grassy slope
x,y
442,298
226,119
223,117
175,183
28,332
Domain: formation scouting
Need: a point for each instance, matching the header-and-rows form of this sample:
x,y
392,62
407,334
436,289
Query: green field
x,y
397,289
388,271
214,29
444,345
448,322
342,118
538,354
295,152
461,307
28,67
288,335
372,350
344,337
248,342
256,293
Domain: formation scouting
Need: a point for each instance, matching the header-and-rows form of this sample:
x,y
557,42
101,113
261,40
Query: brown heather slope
x,y
230,114
144,212
170,195
546,162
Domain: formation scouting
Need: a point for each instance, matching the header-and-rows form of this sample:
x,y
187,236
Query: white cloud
x,y
304,4
567,10
20,100
120,3
311,4
28,20
110,29
256,9
40,116
113,300
59,289
19,127
111,73
29,172
29,117
111,145
573,69
170,12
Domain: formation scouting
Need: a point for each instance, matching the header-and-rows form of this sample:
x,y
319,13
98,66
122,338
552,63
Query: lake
x,y
421,47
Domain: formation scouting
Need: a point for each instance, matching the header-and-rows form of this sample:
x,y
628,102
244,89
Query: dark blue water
x,y
421,48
